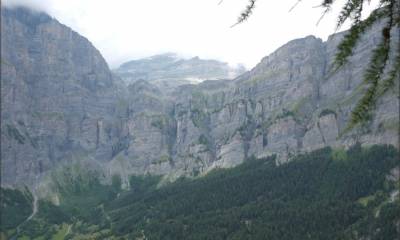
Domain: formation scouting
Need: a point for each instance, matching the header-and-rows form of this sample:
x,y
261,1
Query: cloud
x,y
38,5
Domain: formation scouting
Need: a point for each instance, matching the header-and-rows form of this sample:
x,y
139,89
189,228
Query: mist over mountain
x,y
70,124
170,65
168,71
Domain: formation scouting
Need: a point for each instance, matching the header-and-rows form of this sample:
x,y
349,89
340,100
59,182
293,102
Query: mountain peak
x,y
167,55
26,15
170,67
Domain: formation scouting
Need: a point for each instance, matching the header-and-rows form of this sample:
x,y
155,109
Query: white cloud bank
x,y
129,29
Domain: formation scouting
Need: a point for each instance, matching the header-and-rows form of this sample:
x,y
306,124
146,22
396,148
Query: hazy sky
x,y
129,29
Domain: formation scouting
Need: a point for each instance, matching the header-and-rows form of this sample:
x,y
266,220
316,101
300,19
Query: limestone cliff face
x,y
288,104
58,97
61,103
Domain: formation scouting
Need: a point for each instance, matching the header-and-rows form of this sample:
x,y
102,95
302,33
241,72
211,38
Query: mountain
x,y
288,104
169,70
58,97
61,105
139,153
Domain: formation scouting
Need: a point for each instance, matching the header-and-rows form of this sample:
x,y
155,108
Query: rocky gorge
x,y
61,105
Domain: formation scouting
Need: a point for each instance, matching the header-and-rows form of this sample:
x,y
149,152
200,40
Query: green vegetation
x,y
52,213
15,207
313,197
60,235
116,183
81,199
326,194
339,154
85,204
38,228
143,184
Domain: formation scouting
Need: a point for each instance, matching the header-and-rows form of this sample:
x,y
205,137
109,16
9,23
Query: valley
x,y
167,147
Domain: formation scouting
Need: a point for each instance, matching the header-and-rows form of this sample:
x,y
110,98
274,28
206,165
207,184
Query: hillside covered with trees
x,y
326,194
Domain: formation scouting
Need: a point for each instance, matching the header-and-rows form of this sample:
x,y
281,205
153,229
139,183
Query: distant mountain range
x,y
169,71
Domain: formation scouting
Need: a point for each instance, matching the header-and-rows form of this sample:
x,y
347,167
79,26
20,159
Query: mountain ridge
x,y
60,108
168,71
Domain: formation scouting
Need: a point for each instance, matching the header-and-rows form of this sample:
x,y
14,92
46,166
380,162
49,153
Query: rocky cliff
x,y
288,104
61,103
57,95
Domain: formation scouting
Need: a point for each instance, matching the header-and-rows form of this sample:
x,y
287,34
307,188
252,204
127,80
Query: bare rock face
x,y
282,137
230,154
61,103
324,132
58,97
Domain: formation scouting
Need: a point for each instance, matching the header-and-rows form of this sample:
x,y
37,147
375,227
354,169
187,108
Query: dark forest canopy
x,y
326,194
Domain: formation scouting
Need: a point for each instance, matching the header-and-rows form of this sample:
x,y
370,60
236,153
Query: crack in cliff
x,y
320,132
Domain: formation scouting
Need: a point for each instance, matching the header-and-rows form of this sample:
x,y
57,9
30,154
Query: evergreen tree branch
x,y
393,74
246,13
347,45
362,112
351,9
